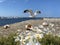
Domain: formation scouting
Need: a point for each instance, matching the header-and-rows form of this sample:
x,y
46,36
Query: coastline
x,y
21,26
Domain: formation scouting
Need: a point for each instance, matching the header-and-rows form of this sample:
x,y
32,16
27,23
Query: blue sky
x,y
48,8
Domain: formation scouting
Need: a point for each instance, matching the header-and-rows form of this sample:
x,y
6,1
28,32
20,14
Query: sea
x,y
15,20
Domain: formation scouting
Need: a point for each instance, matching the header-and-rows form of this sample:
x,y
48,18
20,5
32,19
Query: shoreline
x,y
21,26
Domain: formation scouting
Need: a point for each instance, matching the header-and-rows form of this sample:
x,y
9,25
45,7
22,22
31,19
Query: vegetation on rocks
x,y
50,40
9,40
42,34
46,40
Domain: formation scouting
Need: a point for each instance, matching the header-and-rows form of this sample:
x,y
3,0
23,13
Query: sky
x,y
48,8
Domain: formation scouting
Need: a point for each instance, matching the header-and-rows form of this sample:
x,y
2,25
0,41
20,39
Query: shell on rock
x,y
6,26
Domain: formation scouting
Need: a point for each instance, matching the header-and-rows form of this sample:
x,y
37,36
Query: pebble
x,y
45,24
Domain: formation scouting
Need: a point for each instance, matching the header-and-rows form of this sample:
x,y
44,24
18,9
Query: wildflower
x,y
49,32
45,29
39,35
17,39
31,42
27,31
38,30
18,30
41,26
26,38
38,43
29,34
51,24
35,28
53,29
23,42
19,35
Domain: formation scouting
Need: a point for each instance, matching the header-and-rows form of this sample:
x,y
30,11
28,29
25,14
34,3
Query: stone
x,y
28,27
6,26
45,24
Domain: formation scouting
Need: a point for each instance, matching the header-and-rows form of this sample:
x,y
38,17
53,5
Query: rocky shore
x,y
53,26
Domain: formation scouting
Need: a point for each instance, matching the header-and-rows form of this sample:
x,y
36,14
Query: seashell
x,y
6,26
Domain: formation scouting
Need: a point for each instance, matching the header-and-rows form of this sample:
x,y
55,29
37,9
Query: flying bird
x,y
32,14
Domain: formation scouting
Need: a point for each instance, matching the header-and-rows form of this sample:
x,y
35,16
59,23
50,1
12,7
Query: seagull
x,y
32,14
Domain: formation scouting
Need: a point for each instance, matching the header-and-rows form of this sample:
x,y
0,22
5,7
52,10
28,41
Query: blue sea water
x,y
14,20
